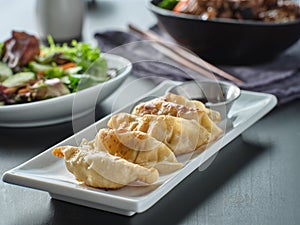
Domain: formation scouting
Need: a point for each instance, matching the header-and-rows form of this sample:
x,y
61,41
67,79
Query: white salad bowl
x,y
66,107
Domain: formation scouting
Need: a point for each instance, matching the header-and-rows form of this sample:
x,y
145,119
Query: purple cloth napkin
x,y
279,77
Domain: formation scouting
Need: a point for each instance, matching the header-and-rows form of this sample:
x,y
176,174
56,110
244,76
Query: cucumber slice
x,y
18,79
5,71
36,67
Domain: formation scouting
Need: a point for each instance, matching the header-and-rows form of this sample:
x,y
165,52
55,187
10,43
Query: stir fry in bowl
x,y
230,41
260,10
30,72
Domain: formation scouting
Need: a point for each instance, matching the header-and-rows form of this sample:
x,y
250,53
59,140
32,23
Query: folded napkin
x,y
279,77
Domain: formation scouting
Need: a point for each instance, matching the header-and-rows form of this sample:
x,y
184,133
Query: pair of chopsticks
x,y
185,57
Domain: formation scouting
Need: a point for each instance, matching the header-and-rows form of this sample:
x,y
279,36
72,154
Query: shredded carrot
x,y
181,4
10,90
23,90
67,65
42,73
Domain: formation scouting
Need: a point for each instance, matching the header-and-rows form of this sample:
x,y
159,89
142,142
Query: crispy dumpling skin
x,y
137,147
213,115
102,170
209,119
158,106
179,134
181,107
175,105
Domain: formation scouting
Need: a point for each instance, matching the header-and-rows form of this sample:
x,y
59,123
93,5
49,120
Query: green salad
x,y
32,72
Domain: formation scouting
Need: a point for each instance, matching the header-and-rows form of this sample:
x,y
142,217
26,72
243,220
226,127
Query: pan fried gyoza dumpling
x,y
175,105
137,147
179,134
213,115
159,106
103,170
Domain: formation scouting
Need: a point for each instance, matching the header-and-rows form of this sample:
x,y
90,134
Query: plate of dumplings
x,y
130,159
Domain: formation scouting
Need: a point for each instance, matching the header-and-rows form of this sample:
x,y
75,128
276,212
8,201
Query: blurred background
x,y
101,16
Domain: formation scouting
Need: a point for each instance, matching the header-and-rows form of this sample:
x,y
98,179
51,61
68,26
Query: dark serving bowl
x,y
228,41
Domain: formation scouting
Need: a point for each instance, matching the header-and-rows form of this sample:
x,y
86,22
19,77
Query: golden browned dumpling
x,y
179,106
158,106
179,134
102,170
175,105
181,100
137,147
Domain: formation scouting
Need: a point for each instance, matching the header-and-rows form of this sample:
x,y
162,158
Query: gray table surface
x,y
254,180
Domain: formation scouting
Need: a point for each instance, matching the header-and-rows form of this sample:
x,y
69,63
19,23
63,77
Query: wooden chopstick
x,y
184,57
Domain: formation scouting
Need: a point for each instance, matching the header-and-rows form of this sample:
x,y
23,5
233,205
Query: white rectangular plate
x,y
48,173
